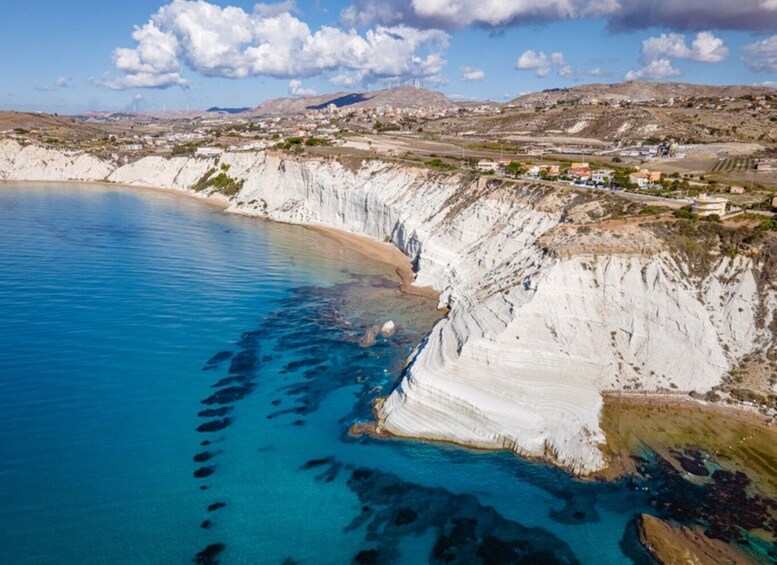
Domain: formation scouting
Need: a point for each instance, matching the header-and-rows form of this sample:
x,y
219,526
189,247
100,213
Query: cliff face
x,y
540,321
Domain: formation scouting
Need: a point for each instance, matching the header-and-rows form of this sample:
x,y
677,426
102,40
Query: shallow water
x,y
178,385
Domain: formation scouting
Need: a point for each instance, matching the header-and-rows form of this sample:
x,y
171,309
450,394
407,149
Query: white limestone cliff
x,y
537,327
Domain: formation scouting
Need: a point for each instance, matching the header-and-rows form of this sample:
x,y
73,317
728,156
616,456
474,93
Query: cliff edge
x,y
549,304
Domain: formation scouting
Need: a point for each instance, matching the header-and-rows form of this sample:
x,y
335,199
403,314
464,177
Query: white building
x,y
706,205
602,176
208,152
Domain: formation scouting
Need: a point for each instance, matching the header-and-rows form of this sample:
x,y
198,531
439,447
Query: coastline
x,y
383,252
211,200
368,247
474,327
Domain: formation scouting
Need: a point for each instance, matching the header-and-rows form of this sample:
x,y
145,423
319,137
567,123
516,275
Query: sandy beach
x,y
381,252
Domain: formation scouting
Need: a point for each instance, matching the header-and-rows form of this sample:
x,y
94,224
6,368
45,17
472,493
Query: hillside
x,y
630,112
637,91
63,127
394,97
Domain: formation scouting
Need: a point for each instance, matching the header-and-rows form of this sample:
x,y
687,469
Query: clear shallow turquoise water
x,y
112,301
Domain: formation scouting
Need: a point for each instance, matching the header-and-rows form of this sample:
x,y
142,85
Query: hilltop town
x,y
681,145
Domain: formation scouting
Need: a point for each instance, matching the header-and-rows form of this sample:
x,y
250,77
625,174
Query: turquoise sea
x,y
178,384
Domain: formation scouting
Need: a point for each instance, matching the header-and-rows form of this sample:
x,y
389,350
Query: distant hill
x,y
394,97
636,91
218,110
63,127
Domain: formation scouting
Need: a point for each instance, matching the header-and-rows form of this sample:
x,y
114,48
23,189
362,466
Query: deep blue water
x,y
179,380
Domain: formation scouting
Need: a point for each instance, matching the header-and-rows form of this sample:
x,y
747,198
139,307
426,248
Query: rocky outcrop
x,y
670,544
541,320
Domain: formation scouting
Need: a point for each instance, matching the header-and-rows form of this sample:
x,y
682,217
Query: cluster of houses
x,y
577,172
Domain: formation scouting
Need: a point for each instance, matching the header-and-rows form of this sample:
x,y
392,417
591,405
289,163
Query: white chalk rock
x,y
531,338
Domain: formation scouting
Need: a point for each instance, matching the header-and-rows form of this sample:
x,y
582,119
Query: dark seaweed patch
x,y
723,506
215,412
467,532
366,557
203,472
244,362
692,461
214,425
230,394
209,555
216,360
203,456
313,463
238,379
405,516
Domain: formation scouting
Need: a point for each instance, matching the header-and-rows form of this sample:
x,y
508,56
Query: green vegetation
x,y
185,149
296,143
734,164
220,183
381,127
652,210
700,241
515,168
316,142
685,214
440,165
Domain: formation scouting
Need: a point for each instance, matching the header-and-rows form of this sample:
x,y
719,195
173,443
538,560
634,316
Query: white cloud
x,y
656,70
762,54
542,64
752,15
705,48
708,49
472,74
228,42
658,53
296,89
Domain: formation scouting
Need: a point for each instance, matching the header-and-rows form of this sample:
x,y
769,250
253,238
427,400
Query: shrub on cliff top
x,y
440,165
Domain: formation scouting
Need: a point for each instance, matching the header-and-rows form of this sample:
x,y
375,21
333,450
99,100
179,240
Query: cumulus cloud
x,y
658,53
655,70
542,64
753,15
296,89
705,47
762,55
270,41
472,74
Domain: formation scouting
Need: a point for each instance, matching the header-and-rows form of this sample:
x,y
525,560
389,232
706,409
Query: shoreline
x,y
388,254
206,199
381,252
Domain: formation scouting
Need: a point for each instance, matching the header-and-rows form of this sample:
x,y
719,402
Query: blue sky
x,y
79,55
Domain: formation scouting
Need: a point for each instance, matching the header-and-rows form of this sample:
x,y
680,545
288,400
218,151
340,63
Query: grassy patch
x,y
221,182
